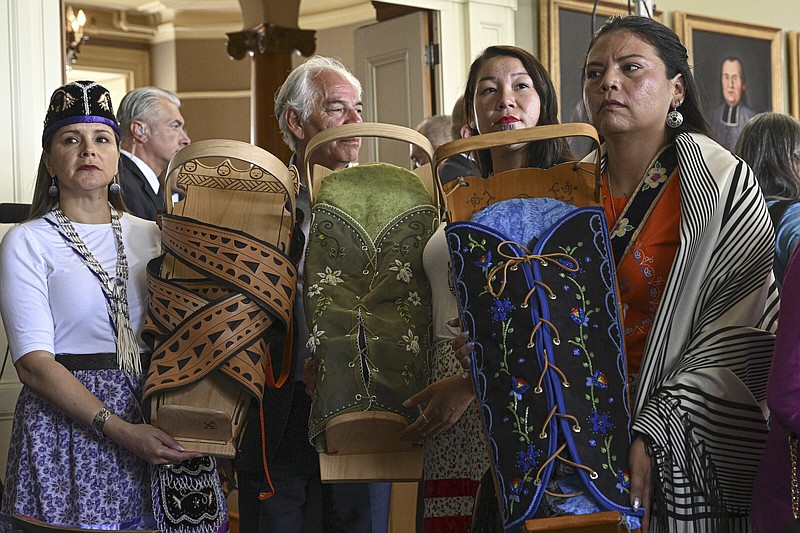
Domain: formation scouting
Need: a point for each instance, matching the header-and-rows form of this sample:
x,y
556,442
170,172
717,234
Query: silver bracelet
x,y
100,419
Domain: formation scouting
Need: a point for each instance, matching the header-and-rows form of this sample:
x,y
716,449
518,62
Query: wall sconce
x,y
75,36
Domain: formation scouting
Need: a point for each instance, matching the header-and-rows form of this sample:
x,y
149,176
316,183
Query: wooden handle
x,y
362,129
230,149
502,138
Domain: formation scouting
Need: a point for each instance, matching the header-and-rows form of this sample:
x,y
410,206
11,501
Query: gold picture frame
x,y
562,52
712,43
793,48
565,29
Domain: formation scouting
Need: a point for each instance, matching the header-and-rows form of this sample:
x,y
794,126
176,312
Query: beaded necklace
x,y
115,292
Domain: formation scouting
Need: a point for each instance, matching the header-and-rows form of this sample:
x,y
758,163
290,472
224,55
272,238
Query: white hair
x,y
300,92
142,104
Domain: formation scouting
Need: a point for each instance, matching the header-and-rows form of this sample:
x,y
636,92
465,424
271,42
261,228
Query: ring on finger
x,y
425,418
636,503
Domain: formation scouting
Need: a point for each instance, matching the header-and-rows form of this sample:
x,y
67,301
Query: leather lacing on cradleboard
x,y
217,323
552,327
568,264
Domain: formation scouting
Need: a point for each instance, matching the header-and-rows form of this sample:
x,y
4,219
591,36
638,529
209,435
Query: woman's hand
x,y
462,348
445,401
148,442
641,480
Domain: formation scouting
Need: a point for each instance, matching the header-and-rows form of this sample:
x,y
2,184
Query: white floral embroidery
x,y
413,298
330,277
314,290
314,339
412,342
403,271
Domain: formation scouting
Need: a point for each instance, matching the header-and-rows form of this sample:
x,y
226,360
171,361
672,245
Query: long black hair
x,y
676,60
770,144
541,154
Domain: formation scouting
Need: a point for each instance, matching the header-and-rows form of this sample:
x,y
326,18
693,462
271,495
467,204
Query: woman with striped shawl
x,y
694,245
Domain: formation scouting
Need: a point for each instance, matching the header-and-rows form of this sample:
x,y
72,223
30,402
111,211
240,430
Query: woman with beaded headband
x,y
72,294
693,245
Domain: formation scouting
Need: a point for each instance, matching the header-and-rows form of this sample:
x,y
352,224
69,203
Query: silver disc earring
x,y
674,119
52,191
114,188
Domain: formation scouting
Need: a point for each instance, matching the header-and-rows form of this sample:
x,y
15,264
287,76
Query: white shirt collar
x,y
148,173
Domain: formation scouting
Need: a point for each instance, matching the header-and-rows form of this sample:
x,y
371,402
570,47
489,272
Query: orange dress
x,y
644,268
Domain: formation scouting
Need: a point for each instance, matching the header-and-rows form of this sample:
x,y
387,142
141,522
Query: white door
x,y
391,62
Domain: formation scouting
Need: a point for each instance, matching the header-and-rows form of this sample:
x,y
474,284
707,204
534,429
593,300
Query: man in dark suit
x,y
151,132
317,95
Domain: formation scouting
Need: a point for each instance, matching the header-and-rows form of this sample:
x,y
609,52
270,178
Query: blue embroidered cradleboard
x,y
540,301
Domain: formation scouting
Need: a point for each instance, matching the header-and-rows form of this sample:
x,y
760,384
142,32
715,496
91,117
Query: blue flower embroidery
x,y
567,263
526,459
484,261
600,422
598,379
516,487
576,352
518,387
623,481
500,309
578,315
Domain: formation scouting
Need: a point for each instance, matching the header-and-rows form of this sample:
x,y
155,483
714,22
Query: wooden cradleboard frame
x,y
240,196
574,182
605,522
354,454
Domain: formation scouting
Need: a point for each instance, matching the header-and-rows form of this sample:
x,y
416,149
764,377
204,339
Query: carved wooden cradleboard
x,y
222,283
574,182
367,304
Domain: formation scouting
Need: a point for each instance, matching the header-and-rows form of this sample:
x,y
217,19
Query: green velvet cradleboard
x,y
367,300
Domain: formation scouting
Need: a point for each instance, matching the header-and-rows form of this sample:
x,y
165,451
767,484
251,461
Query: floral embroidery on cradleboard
x,y
591,354
403,270
315,338
528,456
489,277
555,388
331,277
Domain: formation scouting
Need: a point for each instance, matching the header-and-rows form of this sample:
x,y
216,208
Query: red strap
x,y
286,364
285,368
267,494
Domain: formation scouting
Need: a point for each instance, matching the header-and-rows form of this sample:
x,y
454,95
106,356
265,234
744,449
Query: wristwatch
x,y
100,419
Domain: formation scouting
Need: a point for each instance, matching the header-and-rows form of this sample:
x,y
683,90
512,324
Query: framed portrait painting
x,y
737,67
794,73
565,29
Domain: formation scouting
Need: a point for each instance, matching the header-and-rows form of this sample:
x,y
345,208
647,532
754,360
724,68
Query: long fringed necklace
x,y
115,291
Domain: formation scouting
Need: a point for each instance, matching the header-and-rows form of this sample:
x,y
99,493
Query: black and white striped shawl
x,y
708,354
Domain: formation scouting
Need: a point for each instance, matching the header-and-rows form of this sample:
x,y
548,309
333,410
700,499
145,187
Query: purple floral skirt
x,y
61,473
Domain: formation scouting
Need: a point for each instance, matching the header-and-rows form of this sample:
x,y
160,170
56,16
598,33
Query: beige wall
x,y
214,89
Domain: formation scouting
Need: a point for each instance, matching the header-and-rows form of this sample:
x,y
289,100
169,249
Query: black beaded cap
x,y
79,102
